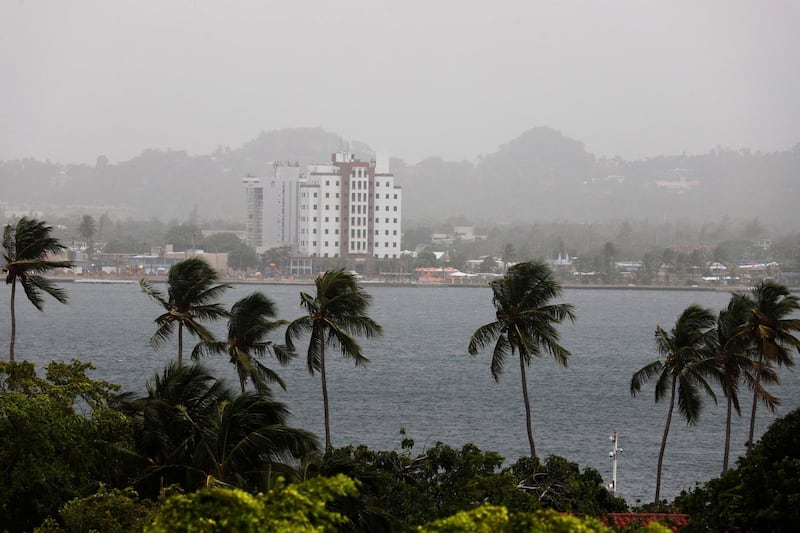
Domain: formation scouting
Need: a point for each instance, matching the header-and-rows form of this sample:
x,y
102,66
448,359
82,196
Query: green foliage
x,y
483,519
559,484
50,453
761,494
109,511
492,518
400,491
297,507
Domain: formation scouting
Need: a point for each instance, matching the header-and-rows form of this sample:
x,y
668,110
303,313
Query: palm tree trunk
x,y
727,437
753,412
180,343
325,397
664,443
527,404
13,322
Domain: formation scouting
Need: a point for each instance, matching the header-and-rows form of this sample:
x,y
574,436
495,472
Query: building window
x,y
315,231
387,183
327,182
328,195
315,195
327,207
326,219
394,245
395,220
326,232
326,244
337,195
395,196
395,208
393,232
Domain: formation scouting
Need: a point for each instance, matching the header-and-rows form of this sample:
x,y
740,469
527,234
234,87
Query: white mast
x,y
613,454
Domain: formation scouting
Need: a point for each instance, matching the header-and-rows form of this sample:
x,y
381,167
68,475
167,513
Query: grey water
x,y
420,377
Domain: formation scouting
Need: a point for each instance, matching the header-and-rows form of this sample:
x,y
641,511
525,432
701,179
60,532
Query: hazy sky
x,y
455,78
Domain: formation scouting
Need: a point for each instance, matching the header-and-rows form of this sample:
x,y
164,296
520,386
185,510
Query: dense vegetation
x,y
190,452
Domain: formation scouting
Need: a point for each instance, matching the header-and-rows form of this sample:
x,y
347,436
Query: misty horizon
x,y
417,80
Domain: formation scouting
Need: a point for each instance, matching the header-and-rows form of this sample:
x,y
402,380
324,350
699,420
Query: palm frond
x,y
645,375
483,336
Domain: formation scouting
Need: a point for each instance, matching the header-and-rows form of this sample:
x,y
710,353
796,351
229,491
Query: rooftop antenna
x,y
613,455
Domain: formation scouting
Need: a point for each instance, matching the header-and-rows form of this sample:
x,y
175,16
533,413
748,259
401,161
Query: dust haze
x,y
450,79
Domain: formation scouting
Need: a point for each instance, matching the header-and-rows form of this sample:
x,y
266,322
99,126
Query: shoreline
x,y
368,283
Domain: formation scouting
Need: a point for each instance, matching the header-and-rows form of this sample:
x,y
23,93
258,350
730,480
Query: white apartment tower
x,y
350,208
271,204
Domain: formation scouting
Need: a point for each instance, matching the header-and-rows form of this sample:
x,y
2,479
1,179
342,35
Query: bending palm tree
x,y
195,432
687,360
733,360
525,323
25,247
248,325
335,315
772,333
191,296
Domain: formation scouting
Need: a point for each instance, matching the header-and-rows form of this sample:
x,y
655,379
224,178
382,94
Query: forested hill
x,y
540,175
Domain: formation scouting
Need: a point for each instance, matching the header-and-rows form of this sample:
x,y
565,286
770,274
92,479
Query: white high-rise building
x,y
350,208
271,204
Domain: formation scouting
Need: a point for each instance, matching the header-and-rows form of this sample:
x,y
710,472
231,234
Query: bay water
x,y
421,379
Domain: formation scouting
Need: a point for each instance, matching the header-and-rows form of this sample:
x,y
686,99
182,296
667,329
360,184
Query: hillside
x,y
540,175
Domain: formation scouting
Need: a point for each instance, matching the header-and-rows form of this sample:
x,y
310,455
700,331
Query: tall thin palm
x,y
685,363
525,324
192,294
772,331
336,315
248,326
26,246
733,360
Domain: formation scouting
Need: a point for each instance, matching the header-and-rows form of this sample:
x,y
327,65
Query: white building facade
x,y
350,208
272,208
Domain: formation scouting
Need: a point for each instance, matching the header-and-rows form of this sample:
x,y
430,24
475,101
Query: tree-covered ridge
x,y
551,175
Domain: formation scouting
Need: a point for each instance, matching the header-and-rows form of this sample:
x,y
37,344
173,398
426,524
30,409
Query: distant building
x,y
272,208
350,208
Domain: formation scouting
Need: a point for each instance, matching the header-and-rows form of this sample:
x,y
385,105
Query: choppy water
x,y
420,377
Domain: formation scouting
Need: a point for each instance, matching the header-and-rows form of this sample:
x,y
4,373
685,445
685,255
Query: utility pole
x,y
613,455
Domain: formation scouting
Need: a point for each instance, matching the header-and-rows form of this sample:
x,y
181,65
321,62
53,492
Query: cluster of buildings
x,y
347,208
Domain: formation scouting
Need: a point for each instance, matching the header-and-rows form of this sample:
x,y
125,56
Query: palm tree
x,y
248,325
191,296
336,314
733,360
771,331
26,246
525,323
687,360
194,431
